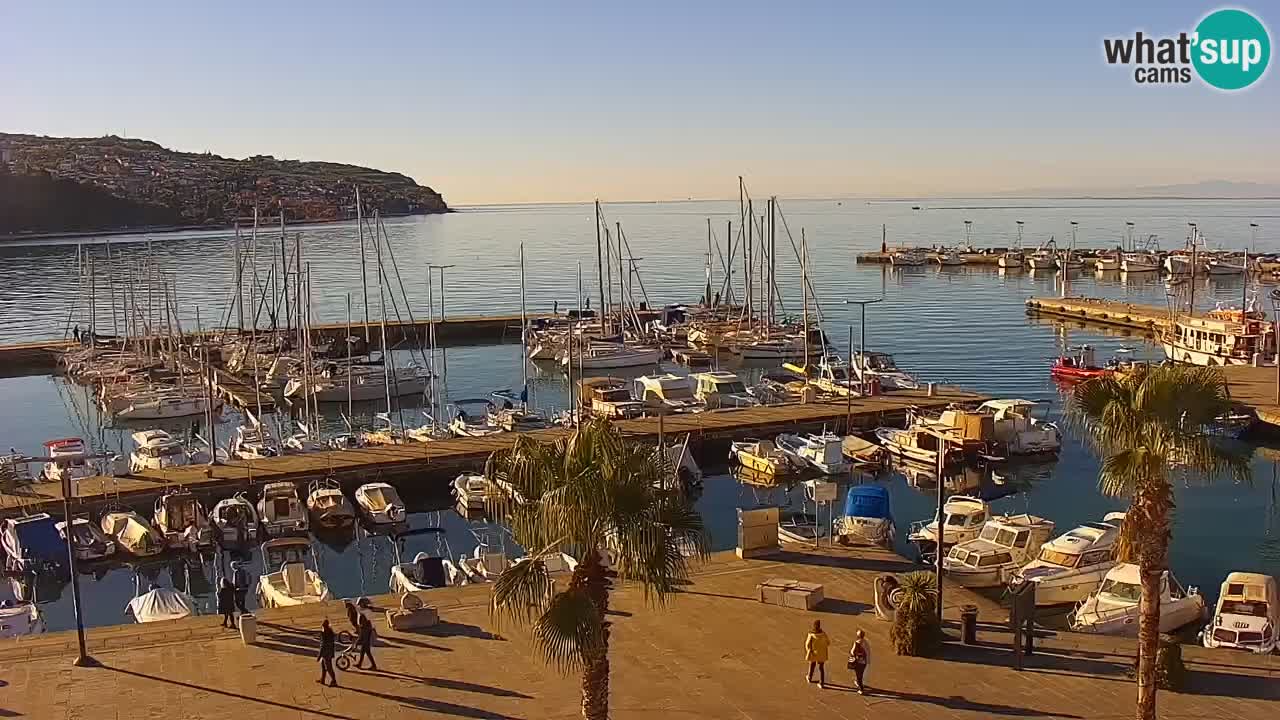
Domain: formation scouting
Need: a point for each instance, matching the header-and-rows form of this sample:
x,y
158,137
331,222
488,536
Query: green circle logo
x,y
1232,49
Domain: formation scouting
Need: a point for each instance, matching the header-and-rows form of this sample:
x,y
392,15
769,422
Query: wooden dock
x,y
1147,319
433,465
1255,388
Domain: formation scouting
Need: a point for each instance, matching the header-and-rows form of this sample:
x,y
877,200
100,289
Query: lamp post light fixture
x,y
862,342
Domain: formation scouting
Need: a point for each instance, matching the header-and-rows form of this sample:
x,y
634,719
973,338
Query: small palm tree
x,y
915,621
1147,425
616,508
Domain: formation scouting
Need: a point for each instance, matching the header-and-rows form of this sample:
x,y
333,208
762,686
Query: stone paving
x,y
714,652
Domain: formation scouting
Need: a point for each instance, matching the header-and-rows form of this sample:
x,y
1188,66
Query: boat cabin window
x,y
1059,558
280,506
615,395
732,387
676,392
160,451
989,533
1242,607
837,373
995,559
956,520
1096,557
1129,592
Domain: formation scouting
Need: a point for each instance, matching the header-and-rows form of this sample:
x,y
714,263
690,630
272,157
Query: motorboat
x,y
1068,260
919,442
483,564
328,505
1223,266
515,415
161,603
380,503
867,516
753,346
1013,259
1005,543
1108,262
294,581
471,418
1070,566
800,527
87,540
235,521
157,450
950,258
1139,262
669,391
821,452
963,517
863,452
132,533
358,383
761,456
20,620
469,491
907,258
612,357
175,512
303,442
1017,431
32,543
1112,609
1177,264
1043,259
428,570
163,406
1078,367
834,376
608,397
722,389
1247,615
253,442
881,368
67,460
281,511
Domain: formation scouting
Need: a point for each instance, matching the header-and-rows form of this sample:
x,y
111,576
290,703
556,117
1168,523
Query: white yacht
x,y
1069,260
132,533
87,539
165,405
1018,431
328,505
20,620
1070,566
340,383
611,357
821,452
1139,262
668,390
293,582
1247,616
281,511
67,460
962,519
32,543
722,389
483,566
177,510
1005,543
235,521
752,347
254,442
881,367
1112,609
835,376
428,570
157,450
380,503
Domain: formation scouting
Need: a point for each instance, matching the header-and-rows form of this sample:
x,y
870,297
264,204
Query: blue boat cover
x,y
868,501
38,538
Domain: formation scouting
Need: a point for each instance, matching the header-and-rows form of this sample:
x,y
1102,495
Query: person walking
x,y
227,604
815,651
365,640
240,581
327,640
859,659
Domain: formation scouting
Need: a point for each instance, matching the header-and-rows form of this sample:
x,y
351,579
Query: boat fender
x,y
410,602
886,596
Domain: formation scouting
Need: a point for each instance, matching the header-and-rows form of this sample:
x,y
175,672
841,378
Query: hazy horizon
x,y
509,103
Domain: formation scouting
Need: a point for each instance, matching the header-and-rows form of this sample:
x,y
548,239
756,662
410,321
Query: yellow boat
x,y
760,456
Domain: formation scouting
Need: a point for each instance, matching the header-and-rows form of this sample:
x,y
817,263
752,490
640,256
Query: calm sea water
x,y
966,326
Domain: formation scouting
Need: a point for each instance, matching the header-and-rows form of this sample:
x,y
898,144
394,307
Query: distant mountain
x,y
51,185
1228,189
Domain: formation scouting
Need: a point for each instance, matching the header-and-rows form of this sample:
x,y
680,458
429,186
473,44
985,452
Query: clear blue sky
x,y
529,101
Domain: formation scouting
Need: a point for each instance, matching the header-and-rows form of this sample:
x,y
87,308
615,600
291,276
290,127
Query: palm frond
x,y
521,592
568,629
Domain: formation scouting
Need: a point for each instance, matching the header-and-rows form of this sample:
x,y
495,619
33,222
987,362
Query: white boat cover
x,y
162,604
126,528
19,621
376,497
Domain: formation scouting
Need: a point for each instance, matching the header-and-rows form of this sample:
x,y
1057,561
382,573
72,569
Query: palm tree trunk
x,y
1148,642
595,673
1153,503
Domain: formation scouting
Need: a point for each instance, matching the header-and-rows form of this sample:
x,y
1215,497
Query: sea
x,y
966,326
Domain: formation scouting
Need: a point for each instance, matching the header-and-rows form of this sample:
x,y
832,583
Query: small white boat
x,y
471,418
962,519
907,258
159,604
469,493
162,406
294,582
157,450
87,540
800,527
253,442
881,367
867,518
67,460
20,620
722,389
1108,262
132,533
427,571
235,521
482,565
950,258
863,452
1113,608
1043,260
380,503
1223,266
612,357
280,509
175,512
32,543
761,456
1011,260
359,383
1247,616
1018,431
1140,262
1070,566
821,452
1005,543
914,443
672,392
329,507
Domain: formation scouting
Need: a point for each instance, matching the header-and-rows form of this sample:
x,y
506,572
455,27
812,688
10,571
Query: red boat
x,y
1066,368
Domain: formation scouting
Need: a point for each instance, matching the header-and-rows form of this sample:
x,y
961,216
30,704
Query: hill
x,y
51,185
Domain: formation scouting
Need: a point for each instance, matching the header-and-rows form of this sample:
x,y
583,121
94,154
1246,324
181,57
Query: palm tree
x,y
616,508
1147,425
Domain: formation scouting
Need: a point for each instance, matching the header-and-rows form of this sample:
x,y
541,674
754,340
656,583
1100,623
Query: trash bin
x,y
969,624
248,628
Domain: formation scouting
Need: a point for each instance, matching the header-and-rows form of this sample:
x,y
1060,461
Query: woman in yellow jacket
x,y
815,651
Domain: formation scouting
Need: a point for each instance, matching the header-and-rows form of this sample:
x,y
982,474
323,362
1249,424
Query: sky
x,y
497,102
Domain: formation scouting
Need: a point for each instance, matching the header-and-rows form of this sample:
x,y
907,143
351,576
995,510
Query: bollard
x,y
969,624
932,389
248,628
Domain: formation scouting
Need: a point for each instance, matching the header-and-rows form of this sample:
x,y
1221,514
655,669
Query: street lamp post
x,y
862,342
441,268
1275,306
82,657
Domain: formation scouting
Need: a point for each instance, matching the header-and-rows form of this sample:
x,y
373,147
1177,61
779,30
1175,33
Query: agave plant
x,y
915,623
610,504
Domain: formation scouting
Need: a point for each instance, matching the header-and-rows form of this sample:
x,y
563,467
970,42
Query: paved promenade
x,y
713,653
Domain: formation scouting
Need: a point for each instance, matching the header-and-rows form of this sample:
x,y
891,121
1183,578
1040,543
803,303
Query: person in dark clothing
x,y
365,640
227,604
327,639
240,581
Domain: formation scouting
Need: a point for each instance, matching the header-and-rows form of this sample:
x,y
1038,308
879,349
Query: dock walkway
x,y
714,652
1148,319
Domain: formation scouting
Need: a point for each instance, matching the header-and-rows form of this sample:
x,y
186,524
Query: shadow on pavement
x,y
210,689
437,706
449,684
956,702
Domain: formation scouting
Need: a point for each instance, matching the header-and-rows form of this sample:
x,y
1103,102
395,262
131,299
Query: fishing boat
x,y
1247,616
881,368
722,389
761,456
1069,260
175,512
428,570
1070,566
281,511
1178,263
1112,609
918,443
669,391
1043,259
471,418
1005,543
380,503
87,540
1108,261
1219,266
821,452
1011,260
863,452
1222,336
329,507
613,357
950,258
157,450
253,442
1139,262
800,526
1078,367
867,517
608,397
296,580
20,620
67,460
132,533
160,603
907,258
1017,431
235,521
469,491
32,543
962,519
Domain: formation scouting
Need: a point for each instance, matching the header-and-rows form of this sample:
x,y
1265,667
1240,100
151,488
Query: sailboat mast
x,y
382,302
364,286
707,297
524,331
600,272
284,274
773,257
350,399
239,281
804,288
747,251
